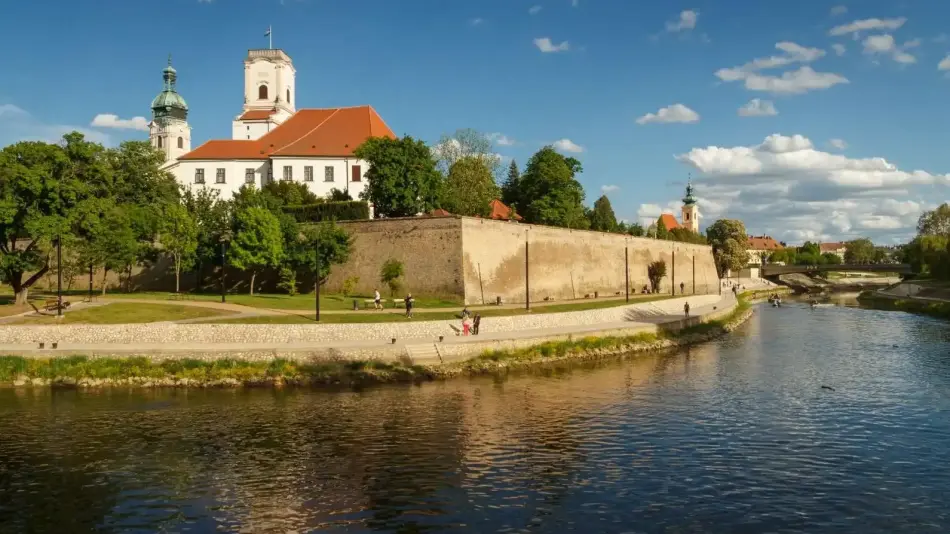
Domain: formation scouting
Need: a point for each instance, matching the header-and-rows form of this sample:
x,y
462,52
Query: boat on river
x,y
775,301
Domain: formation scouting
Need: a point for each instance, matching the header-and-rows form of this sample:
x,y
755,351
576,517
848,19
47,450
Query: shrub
x,y
349,284
329,211
390,273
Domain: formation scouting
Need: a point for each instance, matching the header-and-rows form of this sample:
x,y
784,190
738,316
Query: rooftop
x,y
669,221
330,132
267,53
831,247
763,242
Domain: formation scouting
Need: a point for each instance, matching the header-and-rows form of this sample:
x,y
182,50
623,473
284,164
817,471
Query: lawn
x,y
122,312
392,316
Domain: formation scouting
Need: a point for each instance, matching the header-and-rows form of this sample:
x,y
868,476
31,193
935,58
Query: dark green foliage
x,y
329,211
655,273
602,216
391,273
549,194
403,180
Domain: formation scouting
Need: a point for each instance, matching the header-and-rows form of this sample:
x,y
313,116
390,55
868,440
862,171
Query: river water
x,y
735,436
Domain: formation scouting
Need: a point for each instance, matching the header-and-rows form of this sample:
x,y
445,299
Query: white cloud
x,y
609,188
17,124
839,144
758,108
670,114
787,188
545,45
477,21
687,21
109,120
534,10
839,49
884,44
944,64
839,10
868,25
566,145
501,139
791,82
647,214
793,53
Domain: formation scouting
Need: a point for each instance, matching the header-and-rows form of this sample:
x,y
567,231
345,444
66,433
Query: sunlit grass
x,y
123,312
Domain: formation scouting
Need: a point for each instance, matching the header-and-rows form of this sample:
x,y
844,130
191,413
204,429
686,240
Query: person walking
x,y
682,288
475,323
377,302
465,325
686,308
409,306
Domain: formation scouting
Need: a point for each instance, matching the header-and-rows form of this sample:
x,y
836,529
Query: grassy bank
x,y
873,299
82,371
123,312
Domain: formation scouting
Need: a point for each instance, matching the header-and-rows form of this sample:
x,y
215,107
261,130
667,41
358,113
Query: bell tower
x,y
270,93
169,130
690,217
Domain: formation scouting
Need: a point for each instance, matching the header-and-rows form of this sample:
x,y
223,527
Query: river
x,y
734,436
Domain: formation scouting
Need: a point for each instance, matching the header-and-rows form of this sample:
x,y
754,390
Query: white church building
x,y
270,138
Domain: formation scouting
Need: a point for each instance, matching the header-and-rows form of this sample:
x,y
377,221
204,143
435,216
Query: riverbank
x,y
142,371
906,298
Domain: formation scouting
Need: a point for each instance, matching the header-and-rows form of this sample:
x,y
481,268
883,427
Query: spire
x,y
169,103
689,200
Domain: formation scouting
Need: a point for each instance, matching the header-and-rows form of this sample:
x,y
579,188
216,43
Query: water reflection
x,y
734,436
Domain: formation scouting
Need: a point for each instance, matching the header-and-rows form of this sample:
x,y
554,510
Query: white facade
x,y
690,217
172,136
228,176
269,93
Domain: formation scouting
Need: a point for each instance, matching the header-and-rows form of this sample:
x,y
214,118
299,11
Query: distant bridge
x,y
777,270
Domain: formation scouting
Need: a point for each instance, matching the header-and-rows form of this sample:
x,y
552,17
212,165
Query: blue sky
x,y
432,66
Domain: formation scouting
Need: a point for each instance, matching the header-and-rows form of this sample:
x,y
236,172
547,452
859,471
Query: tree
x,y
212,217
602,217
331,242
636,230
810,249
729,242
114,245
655,273
466,143
179,238
550,194
935,222
403,180
289,193
337,195
830,258
859,251
257,243
660,230
469,188
510,188
390,274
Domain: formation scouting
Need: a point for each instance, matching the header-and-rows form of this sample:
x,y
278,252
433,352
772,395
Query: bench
x,y
53,304
397,302
179,296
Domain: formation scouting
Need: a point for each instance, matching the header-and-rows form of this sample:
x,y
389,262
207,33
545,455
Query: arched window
x,y
262,92
181,143
288,96
159,142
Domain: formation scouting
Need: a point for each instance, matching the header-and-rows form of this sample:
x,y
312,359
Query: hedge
x,y
330,211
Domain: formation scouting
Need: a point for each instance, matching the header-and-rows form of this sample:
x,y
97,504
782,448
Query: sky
x,y
807,120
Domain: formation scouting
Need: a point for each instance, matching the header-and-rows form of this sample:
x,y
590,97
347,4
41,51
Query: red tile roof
x,y
669,221
763,242
332,132
257,115
439,212
501,212
831,247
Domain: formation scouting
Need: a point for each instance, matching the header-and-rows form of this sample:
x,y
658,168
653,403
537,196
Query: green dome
x,y
169,103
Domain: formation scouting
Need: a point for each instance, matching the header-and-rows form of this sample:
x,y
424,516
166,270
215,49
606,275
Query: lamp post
x,y
316,254
59,276
626,267
225,237
527,287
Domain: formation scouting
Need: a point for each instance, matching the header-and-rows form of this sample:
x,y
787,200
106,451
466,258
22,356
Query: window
x,y
219,176
308,174
262,92
328,174
357,174
249,176
159,142
288,172
181,143
288,96
270,173
199,176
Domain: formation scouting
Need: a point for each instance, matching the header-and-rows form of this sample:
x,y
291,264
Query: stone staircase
x,y
424,353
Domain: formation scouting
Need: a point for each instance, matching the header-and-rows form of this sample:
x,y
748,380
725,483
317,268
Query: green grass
x,y
122,312
287,302
871,299
395,316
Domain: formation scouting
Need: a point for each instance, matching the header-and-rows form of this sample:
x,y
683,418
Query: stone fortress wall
x,y
481,259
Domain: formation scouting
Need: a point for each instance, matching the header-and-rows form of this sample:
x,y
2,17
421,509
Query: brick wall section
x,y
468,257
429,248
566,264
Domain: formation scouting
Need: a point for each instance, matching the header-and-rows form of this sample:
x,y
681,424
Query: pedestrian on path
x,y
465,325
376,300
476,323
686,308
682,288
409,306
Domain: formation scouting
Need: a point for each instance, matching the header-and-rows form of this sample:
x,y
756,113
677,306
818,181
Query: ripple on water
x,y
734,436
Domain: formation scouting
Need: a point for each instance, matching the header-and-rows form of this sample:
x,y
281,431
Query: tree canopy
x,y
469,188
729,242
258,241
402,178
602,216
859,251
548,192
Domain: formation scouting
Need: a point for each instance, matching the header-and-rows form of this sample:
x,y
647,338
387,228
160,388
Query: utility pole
x,y
59,276
224,245
316,253
673,276
527,288
626,269
694,273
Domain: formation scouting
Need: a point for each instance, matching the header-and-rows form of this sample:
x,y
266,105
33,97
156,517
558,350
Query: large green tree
x,y
331,242
179,238
212,216
935,222
602,217
549,192
469,188
258,242
403,180
729,242
510,187
859,251
290,193
466,143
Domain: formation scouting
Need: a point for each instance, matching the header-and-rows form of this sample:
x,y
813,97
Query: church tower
x,y
169,129
690,218
270,93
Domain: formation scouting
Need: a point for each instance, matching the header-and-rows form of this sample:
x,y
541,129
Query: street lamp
x,y
59,276
527,287
316,255
225,237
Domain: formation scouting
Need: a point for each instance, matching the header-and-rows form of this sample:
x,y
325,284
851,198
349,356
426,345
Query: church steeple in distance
x,y
169,130
689,200
690,217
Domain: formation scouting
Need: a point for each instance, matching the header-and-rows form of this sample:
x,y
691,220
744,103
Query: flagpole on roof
x,y
270,38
